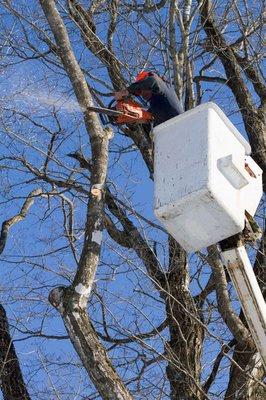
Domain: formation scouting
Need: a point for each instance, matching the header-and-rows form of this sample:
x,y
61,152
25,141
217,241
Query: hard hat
x,y
142,75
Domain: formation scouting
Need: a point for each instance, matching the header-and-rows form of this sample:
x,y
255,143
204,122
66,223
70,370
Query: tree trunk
x,y
186,332
12,383
87,345
254,119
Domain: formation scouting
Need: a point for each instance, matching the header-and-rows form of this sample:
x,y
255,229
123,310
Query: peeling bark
x,y
86,343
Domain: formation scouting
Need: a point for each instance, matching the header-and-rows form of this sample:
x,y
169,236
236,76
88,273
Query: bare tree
x,y
146,320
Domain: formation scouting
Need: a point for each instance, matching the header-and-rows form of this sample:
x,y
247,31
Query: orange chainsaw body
x,y
132,112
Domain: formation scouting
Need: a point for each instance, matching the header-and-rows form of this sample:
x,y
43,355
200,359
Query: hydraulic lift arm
x,y
242,275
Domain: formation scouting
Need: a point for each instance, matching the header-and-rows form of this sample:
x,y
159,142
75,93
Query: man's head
x,y
145,93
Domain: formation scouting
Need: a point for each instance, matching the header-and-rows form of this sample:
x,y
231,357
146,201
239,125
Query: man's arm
x,y
121,94
148,83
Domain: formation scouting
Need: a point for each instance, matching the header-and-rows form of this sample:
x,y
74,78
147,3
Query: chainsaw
x,y
125,111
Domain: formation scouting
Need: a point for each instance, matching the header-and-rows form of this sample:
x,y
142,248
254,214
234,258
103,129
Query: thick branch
x,y
17,218
86,342
204,78
131,238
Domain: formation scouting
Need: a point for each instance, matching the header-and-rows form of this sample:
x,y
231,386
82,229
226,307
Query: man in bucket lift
x,y
163,101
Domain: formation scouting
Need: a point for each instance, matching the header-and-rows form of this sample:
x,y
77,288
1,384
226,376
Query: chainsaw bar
x,y
106,111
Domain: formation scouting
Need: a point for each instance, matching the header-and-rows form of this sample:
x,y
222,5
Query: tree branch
x,y
204,78
6,225
215,369
84,21
239,331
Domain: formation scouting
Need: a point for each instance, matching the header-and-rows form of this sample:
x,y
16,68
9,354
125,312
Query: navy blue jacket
x,y
164,103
